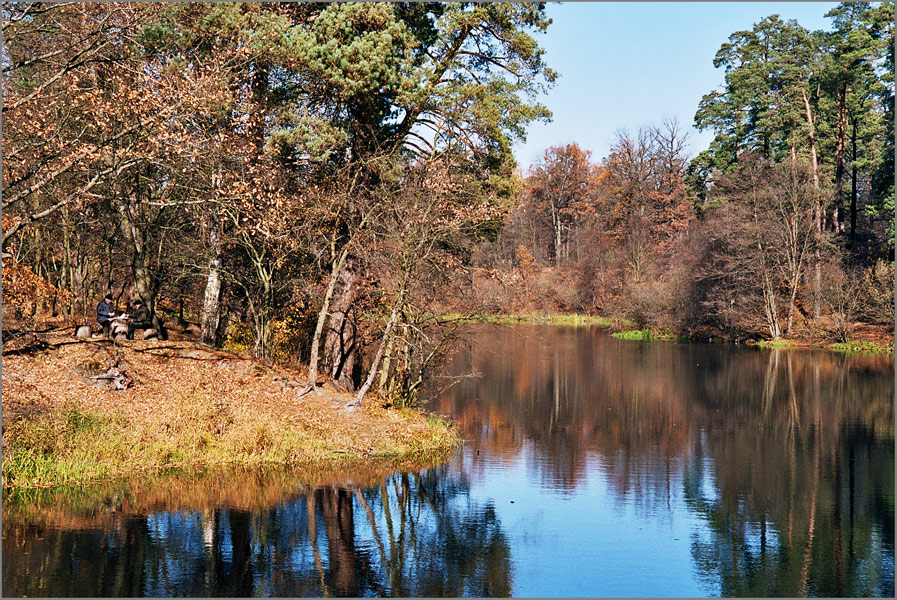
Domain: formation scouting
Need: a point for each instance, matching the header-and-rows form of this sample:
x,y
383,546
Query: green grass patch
x,y
656,334
65,446
633,334
437,444
434,420
565,319
772,343
862,348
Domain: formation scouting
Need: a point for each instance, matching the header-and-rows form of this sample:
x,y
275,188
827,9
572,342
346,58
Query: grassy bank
x,y
656,334
862,348
870,339
857,347
567,319
188,408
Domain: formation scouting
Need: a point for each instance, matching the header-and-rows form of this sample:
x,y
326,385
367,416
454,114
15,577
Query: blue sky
x,y
624,65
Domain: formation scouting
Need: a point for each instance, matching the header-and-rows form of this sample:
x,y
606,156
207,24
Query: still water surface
x,y
592,467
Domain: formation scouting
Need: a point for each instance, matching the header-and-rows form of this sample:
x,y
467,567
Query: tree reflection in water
x,y
412,535
787,457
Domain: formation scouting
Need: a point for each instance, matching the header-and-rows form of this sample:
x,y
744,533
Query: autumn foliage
x,y
316,182
28,297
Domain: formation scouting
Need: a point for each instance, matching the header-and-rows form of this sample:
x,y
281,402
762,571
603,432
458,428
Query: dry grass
x,y
188,407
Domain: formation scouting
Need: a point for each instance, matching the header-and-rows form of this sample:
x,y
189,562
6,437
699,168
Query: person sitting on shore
x,y
141,318
105,312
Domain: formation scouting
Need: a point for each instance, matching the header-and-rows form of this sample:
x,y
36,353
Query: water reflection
x,y
786,458
411,535
594,467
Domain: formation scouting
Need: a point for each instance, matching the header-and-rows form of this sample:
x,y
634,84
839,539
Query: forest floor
x,y
185,406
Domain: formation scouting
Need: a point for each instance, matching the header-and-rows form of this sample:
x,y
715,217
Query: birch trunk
x,y
556,223
211,300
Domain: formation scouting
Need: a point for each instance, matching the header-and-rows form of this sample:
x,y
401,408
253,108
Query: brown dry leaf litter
x,y
181,388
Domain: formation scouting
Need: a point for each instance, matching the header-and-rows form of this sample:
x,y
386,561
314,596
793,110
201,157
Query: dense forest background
x,y
317,183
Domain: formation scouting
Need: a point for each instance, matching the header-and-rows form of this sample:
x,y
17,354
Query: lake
x,y
592,467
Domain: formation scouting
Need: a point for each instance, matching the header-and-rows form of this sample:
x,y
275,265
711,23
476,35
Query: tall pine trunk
x,y
840,160
853,183
342,276
817,211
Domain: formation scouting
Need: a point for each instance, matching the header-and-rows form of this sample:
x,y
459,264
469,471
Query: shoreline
x,y
188,408
853,347
193,408
625,330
